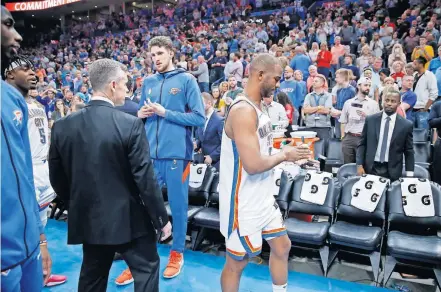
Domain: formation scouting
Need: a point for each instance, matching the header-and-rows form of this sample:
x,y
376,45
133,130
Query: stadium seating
x,y
357,231
311,235
412,240
334,156
420,135
422,154
319,149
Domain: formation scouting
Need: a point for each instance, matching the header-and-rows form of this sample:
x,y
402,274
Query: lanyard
x,y
317,100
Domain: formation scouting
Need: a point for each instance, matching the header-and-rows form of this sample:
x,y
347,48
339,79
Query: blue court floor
x,y
201,272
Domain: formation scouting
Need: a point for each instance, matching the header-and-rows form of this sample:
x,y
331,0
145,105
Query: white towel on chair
x,y
367,192
417,197
197,174
291,169
315,187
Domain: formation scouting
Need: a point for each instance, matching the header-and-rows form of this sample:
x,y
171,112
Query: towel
x,y
291,169
367,192
197,174
315,187
417,197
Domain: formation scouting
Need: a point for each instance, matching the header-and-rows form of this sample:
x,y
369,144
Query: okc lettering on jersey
x,y
265,130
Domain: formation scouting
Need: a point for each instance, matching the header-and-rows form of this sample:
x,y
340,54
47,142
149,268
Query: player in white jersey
x,y
20,74
248,211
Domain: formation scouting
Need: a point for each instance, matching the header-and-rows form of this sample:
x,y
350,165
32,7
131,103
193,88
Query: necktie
x,y
384,143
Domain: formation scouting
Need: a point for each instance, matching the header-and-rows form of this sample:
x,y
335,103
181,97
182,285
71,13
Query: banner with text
x,y
37,5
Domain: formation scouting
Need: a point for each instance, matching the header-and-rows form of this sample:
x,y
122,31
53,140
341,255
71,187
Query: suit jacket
x,y
99,163
401,143
130,107
210,140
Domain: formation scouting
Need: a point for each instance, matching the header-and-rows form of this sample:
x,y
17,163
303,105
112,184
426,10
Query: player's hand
x,y
208,160
295,153
360,170
166,231
47,263
157,108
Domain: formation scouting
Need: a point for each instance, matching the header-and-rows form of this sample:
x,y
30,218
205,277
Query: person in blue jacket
x,y
25,261
171,104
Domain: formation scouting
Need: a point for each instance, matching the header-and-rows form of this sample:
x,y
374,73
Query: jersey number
x,y
42,136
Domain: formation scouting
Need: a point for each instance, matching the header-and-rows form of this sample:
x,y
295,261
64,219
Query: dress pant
x,y
380,169
140,255
349,146
437,161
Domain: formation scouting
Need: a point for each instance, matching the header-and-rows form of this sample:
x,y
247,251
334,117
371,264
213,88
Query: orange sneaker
x,y
125,278
174,266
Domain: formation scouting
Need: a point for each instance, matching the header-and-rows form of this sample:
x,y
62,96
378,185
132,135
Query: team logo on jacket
x,y
18,117
174,91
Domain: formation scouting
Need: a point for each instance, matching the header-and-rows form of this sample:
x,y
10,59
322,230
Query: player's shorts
x,y
44,192
240,247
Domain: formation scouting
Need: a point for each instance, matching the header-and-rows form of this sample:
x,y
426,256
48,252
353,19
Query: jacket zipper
x,y
19,190
157,121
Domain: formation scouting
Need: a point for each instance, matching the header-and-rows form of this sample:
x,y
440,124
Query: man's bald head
x,y
263,62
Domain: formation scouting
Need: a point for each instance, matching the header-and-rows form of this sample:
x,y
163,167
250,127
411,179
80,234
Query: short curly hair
x,y
162,42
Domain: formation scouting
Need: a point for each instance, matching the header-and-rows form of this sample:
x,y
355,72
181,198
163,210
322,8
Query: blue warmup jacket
x,y
170,137
21,225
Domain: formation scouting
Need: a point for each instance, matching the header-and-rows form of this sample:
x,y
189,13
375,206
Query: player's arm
x,y
196,116
243,132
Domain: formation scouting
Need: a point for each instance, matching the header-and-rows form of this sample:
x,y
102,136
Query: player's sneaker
x,y
125,278
174,266
55,280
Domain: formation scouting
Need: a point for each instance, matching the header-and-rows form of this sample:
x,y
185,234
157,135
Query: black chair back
x,y
300,206
346,209
333,150
214,192
398,216
422,151
346,171
199,196
286,182
420,135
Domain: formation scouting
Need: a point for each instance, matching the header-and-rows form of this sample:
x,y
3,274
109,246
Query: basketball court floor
x,y
201,272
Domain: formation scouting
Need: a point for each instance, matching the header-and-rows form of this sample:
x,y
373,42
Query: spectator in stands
x,y
61,110
341,92
301,62
408,97
202,74
209,137
276,112
234,67
352,118
423,50
348,64
324,59
218,103
293,90
317,108
233,91
426,90
337,51
382,153
435,63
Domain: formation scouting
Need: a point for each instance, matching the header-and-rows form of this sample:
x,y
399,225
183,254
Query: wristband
x,y
43,242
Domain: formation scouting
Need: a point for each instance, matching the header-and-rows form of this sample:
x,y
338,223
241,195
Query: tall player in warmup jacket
x,y
248,211
25,261
21,75
171,104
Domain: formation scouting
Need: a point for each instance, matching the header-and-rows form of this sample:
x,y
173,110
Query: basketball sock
x,y
280,288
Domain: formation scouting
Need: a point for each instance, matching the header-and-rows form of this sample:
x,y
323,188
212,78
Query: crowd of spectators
x,y
324,50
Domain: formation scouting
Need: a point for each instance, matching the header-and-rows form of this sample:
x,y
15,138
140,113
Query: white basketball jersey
x,y
246,201
38,128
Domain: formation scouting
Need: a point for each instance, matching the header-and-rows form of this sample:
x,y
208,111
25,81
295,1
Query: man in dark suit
x,y
385,138
129,107
99,163
209,138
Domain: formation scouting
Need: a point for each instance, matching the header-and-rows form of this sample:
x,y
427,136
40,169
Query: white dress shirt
x,y
393,118
208,116
102,99
277,114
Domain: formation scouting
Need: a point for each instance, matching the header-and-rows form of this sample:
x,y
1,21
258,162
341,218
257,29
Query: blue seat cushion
x,y
307,232
357,236
416,247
